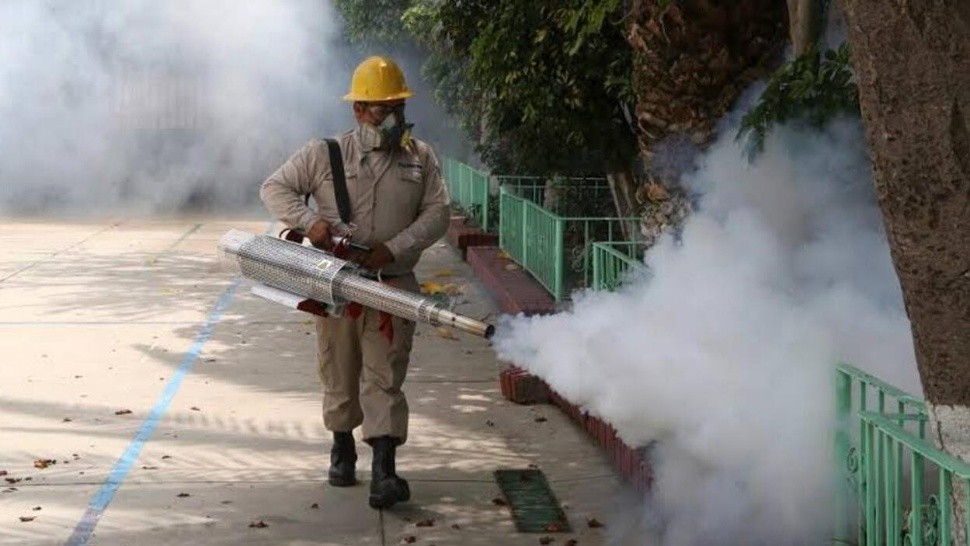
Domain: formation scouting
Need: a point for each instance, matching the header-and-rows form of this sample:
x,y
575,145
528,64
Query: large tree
x,y
913,63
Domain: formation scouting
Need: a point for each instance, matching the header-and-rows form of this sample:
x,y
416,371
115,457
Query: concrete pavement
x,y
126,353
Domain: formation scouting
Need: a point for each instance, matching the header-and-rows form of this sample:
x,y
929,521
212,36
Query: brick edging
x,y
632,463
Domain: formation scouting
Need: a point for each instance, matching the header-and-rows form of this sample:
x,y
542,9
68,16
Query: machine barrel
x,y
318,275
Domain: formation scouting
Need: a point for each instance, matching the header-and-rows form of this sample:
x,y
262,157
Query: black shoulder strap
x,y
339,180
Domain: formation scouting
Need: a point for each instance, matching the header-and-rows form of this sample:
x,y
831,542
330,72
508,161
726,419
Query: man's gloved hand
x,y
378,258
321,235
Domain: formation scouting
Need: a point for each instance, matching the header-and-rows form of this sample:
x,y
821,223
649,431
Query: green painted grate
x,y
533,505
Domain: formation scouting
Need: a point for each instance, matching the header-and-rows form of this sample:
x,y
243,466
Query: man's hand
x,y
321,235
378,258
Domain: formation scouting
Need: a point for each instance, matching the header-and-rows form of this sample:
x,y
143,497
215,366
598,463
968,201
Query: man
x,y
399,208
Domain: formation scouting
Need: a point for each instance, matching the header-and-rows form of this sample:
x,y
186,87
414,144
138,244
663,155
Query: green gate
x,y
903,486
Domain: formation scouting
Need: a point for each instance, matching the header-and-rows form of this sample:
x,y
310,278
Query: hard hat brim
x,y
360,97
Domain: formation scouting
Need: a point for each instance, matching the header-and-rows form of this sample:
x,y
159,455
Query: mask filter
x,y
393,133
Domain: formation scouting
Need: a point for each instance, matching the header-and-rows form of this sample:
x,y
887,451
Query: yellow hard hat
x,y
378,79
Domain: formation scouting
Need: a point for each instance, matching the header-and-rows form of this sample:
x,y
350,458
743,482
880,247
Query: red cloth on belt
x,y
353,310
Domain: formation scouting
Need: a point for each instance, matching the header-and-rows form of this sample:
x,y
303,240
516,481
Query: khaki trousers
x,y
362,373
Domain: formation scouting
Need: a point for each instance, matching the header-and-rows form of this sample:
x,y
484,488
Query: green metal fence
x,y
555,249
612,262
902,485
469,189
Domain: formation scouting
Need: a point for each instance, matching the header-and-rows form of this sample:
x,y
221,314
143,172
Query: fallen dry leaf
x,y
194,408
25,519
540,419
183,495
66,420
409,539
36,508
425,523
258,524
149,468
594,523
455,526
499,501
314,506
166,456
445,333
3,472
44,463
431,288
10,490
123,412
512,267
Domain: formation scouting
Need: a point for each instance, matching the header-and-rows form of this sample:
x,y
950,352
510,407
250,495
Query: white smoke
x,y
723,356
159,106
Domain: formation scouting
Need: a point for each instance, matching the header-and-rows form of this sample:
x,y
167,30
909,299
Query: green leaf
x,y
812,87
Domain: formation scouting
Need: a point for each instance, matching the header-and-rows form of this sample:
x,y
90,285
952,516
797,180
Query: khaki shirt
x,y
398,198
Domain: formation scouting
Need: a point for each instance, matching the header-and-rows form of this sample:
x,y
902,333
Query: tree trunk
x,y
623,186
804,23
912,58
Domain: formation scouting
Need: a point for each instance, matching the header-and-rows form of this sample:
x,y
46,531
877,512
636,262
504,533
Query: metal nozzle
x,y
465,324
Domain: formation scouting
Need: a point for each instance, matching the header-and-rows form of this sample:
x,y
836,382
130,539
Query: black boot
x,y
386,488
343,458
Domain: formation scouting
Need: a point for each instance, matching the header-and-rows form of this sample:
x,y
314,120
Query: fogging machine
x,y
316,281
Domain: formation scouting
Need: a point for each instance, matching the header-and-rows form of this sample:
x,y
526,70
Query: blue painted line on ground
x,y
102,498
85,528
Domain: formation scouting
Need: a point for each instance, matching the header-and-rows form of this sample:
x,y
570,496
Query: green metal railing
x,y
469,189
554,249
881,440
612,262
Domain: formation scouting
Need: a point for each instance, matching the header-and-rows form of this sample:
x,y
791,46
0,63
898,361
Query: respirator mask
x,y
391,134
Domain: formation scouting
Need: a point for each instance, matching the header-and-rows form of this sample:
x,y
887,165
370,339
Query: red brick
x,y
521,387
461,236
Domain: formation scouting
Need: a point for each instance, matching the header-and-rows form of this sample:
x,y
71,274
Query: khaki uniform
x,y
399,199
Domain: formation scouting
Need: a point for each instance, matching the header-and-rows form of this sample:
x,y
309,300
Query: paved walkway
x,y
180,409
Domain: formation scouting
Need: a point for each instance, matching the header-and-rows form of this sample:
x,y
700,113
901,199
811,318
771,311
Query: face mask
x,y
393,133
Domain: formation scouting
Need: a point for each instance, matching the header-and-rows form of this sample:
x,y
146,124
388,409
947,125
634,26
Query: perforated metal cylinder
x,y
318,275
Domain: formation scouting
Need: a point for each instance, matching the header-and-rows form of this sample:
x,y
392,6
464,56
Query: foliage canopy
x,y
541,87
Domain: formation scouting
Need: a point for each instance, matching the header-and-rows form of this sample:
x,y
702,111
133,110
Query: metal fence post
x,y
843,411
559,252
